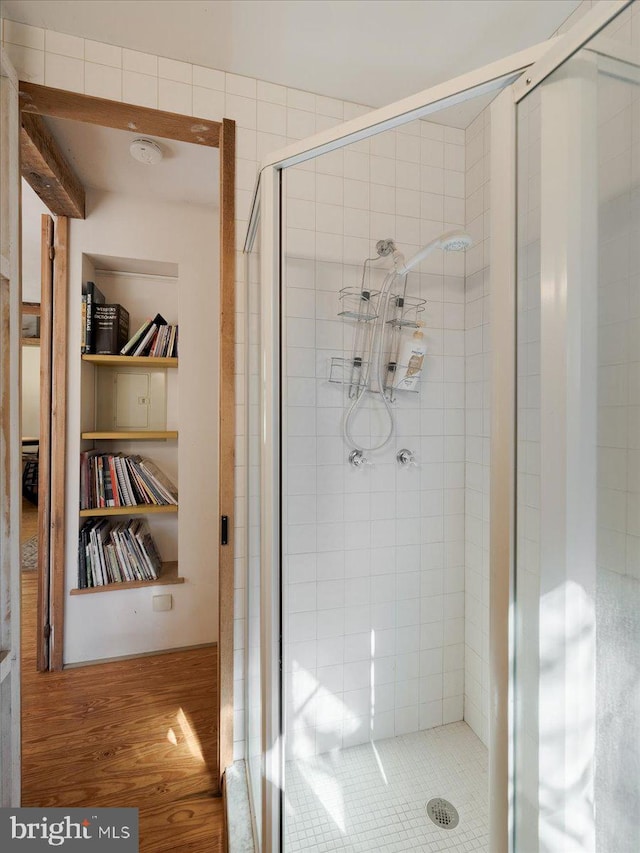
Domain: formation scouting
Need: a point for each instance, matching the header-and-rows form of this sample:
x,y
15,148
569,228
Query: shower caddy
x,y
361,305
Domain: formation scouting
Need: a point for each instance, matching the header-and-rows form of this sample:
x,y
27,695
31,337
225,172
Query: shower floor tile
x,y
373,797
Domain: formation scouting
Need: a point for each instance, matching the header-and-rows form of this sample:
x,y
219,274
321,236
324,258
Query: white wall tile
x,y
171,69
140,89
175,97
208,103
208,78
64,72
102,54
245,87
28,63
271,93
64,44
23,34
272,118
242,110
300,100
141,63
103,81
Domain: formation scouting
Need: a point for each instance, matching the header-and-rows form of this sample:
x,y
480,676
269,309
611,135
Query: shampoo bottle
x,y
410,361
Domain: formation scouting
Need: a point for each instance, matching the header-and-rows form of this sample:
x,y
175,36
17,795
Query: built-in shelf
x,y
131,360
132,435
30,342
168,575
138,509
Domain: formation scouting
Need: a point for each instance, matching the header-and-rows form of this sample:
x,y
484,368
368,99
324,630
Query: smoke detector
x,y
146,151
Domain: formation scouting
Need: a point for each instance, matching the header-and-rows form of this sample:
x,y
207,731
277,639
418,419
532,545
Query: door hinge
x,y
47,631
224,530
52,253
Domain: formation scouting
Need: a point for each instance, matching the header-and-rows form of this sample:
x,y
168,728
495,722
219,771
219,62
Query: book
x,y
110,329
94,297
159,480
115,480
83,339
146,341
141,334
115,552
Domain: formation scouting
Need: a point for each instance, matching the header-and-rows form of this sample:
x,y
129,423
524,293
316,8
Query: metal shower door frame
x,y
267,214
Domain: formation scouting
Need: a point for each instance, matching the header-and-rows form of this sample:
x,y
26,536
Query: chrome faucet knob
x,y
357,458
405,458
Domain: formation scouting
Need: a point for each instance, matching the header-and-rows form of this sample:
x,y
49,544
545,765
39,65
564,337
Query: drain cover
x,y
442,813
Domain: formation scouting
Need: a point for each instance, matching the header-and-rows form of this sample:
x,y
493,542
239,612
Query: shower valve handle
x,y
358,459
406,458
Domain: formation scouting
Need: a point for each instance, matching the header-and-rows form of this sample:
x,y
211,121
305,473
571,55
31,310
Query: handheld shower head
x,y
455,241
451,241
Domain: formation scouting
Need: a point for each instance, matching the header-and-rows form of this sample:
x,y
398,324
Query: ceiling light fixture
x,y
146,151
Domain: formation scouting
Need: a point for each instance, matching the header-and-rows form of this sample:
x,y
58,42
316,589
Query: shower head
x,y
451,241
455,241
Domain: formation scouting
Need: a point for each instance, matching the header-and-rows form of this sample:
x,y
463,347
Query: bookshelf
x,y
168,576
127,407
132,435
140,509
130,360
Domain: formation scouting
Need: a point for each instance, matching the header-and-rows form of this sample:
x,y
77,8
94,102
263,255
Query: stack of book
x,y
113,480
111,552
155,338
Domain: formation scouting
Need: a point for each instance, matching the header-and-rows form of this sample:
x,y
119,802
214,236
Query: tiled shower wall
x,y
374,592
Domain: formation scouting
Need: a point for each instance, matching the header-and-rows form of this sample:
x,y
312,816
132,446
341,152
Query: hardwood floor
x,y
140,733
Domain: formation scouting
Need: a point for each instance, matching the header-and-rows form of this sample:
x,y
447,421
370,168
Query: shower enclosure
x,y
439,512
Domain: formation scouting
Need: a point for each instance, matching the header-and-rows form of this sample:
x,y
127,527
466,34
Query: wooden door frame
x,y
10,455
43,646
43,100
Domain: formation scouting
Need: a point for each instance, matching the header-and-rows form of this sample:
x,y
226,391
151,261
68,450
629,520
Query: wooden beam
x,y
46,170
32,308
227,435
57,102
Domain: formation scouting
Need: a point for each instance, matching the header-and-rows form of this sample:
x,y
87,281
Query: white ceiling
x,y
367,52
100,158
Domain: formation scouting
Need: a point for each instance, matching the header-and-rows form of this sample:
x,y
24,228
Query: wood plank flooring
x,y
140,733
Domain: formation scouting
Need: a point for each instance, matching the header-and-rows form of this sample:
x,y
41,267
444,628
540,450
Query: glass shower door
x,y
577,686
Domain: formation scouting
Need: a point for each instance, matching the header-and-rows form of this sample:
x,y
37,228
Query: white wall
x,y
121,622
30,391
31,212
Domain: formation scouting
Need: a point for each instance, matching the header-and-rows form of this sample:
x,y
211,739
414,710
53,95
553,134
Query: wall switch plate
x,y
162,602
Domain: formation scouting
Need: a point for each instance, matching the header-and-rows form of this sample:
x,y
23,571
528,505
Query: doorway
x,y
135,278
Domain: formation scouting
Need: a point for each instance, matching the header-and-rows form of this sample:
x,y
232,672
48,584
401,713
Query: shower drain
x,y
442,813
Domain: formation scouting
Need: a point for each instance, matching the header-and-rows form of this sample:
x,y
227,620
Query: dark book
x,y
94,297
83,342
82,557
110,329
